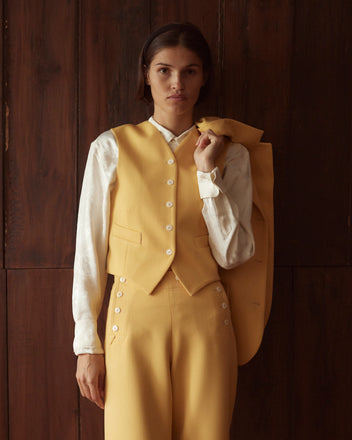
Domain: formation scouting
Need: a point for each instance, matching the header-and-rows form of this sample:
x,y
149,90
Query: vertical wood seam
x,y
246,48
291,427
349,214
5,139
78,139
4,125
220,60
7,358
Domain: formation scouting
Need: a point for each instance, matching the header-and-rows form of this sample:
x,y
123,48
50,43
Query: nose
x,y
177,83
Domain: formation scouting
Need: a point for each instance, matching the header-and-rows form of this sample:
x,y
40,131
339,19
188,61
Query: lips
x,y
177,97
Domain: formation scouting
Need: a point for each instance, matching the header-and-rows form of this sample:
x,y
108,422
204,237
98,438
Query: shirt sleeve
x,y
89,274
227,208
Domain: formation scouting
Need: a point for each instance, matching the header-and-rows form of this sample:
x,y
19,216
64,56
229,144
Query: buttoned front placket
x,y
224,305
170,205
120,304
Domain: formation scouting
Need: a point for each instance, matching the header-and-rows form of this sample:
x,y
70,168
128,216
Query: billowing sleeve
x,y
89,274
227,208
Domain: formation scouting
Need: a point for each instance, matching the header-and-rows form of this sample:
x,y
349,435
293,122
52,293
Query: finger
x,y
84,389
95,395
203,141
102,386
202,136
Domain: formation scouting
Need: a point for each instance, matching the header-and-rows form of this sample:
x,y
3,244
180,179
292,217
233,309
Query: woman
x,y
162,207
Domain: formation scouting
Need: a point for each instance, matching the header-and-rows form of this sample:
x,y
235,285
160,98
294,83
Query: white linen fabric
x,y
227,207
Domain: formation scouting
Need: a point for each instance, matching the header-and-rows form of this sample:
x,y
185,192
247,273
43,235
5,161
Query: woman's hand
x,y
90,376
209,146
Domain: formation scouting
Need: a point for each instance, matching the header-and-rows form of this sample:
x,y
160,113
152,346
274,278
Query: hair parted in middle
x,y
186,35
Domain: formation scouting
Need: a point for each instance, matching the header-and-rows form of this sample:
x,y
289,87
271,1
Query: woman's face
x,y
175,77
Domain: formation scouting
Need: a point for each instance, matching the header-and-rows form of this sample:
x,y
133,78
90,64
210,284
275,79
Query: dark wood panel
x,y
263,406
209,20
257,55
3,358
315,221
256,79
2,134
41,157
233,93
322,353
42,385
92,421
112,34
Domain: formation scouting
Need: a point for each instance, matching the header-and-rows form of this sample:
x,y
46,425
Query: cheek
x,y
156,84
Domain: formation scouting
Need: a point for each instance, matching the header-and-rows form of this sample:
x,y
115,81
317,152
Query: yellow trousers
x,y
171,367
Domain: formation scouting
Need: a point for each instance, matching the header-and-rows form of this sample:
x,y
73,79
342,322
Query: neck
x,y
175,123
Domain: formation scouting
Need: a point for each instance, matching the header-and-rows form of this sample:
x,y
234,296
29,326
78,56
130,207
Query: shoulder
x,y
124,130
105,138
104,148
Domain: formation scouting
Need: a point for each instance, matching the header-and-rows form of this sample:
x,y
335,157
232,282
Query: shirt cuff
x,y
86,338
207,183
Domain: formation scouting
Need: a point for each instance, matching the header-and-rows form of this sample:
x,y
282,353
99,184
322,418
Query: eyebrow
x,y
170,65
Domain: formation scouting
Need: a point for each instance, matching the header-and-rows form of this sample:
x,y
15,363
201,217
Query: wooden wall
x,y
68,73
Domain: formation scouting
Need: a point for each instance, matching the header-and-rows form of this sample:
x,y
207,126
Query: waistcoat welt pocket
x,y
201,241
126,234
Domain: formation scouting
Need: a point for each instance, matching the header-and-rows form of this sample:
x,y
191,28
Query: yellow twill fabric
x,y
156,212
171,367
156,222
249,286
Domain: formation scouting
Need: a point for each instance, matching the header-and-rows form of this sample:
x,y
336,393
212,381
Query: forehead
x,y
176,56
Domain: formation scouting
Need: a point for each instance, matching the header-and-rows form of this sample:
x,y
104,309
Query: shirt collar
x,y
168,135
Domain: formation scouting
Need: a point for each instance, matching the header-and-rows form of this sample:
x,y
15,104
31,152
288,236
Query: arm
x,y
228,205
90,261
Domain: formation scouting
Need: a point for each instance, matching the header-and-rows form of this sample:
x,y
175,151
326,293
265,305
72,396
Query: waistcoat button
x,y
169,204
119,294
170,161
122,279
170,182
169,227
169,252
115,328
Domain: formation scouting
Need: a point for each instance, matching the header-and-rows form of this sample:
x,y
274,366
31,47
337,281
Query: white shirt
x,y
227,207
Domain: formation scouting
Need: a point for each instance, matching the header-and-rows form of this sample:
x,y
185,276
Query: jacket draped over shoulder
x,y
249,286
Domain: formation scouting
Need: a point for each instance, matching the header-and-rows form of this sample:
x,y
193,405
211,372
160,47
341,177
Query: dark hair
x,y
171,35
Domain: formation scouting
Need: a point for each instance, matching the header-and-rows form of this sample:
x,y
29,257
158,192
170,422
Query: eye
x,y
163,70
191,71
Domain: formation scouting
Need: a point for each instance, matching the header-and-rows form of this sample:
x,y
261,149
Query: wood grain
x,y
3,358
263,407
315,221
256,80
112,34
322,362
282,66
42,386
2,133
41,156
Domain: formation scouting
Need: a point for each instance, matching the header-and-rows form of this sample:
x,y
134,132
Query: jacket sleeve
x,y
227,208
89,275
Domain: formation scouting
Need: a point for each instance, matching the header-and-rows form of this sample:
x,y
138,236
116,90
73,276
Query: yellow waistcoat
x,y
156,222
